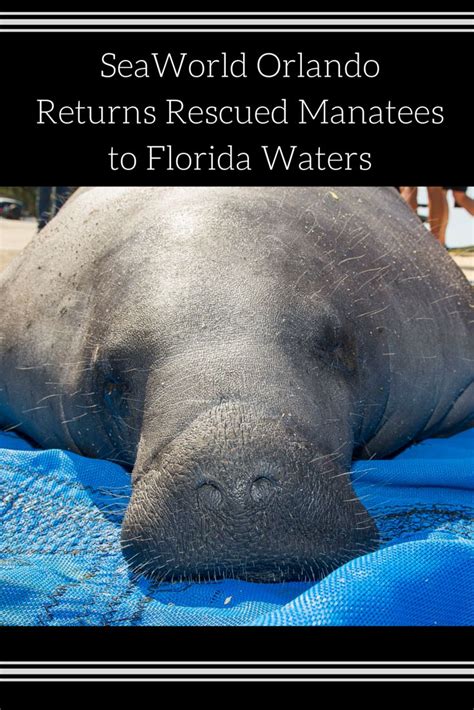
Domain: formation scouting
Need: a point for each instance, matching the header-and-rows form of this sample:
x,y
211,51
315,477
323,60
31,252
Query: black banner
x,y
345,694
313,107
366,645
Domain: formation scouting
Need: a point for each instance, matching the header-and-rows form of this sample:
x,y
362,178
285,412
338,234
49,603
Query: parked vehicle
x,y
10,208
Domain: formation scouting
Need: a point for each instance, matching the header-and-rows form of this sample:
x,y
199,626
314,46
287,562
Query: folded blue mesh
x,y
61,564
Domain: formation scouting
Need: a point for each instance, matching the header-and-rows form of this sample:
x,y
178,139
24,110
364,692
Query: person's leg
x,y
464,200
410,195
61,195
438,212
44,206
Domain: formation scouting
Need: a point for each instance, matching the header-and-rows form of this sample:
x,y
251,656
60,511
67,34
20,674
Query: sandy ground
x,y
14,235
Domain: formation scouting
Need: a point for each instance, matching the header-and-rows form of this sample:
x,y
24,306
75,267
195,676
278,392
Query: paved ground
x,y
466,262
14,235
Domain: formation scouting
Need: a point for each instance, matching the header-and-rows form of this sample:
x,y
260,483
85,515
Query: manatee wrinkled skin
x,y
237,347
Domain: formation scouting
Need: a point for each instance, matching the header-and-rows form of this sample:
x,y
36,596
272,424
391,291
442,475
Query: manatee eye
x,y
114,392
335,348
332,338
109,388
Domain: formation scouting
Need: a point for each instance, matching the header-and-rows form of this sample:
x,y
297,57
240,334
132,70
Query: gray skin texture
x,y
237,347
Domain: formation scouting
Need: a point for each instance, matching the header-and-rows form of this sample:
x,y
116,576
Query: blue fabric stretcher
x,y
60,559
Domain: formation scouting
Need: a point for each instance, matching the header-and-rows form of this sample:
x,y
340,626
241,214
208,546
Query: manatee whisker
x,y
49,396
74,419
13,426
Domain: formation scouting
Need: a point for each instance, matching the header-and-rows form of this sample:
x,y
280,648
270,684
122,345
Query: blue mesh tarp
x,y
60,559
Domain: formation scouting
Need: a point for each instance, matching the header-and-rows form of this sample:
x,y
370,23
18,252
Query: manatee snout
x,y
248,499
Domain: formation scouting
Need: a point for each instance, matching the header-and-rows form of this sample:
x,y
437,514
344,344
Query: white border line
x,y
230,22
234,30
229,12
236,680
241,663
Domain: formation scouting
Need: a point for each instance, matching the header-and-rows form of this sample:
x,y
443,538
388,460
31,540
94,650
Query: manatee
x,y
237,348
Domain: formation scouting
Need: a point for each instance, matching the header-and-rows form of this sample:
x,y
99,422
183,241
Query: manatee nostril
x,y
209,495
262,489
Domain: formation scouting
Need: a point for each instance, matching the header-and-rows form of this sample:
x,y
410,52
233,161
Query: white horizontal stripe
x,y
234,30
215,13
235,680
248,663
66,22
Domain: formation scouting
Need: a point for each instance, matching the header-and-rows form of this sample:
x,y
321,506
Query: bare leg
x,y
410,195
464,201
438,212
